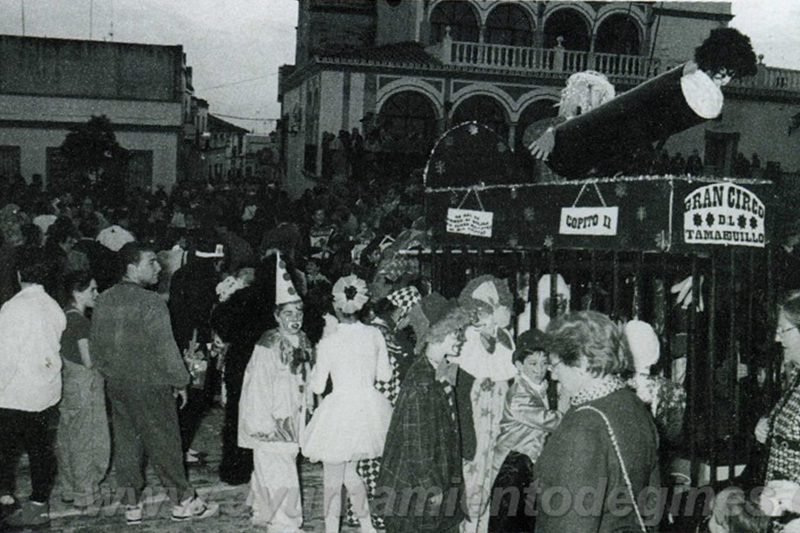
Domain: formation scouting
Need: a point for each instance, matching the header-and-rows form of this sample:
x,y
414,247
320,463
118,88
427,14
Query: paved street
x,y
234,515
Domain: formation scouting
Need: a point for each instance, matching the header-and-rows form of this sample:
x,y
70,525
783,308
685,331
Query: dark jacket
x,y
131,341
579,458
192,296
422,455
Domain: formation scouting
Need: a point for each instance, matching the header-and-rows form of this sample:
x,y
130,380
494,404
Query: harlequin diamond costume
x,y
404,299
272,412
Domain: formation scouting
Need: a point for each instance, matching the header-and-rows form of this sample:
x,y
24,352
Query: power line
x,y
238,82
257,119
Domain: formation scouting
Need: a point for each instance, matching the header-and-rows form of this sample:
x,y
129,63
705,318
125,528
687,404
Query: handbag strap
x,y
615,444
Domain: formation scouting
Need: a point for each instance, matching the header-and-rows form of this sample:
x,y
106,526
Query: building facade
x,y
222,150
48,86
401,72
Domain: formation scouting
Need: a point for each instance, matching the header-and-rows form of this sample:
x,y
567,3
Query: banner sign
x,y
469,222
724,214
600,221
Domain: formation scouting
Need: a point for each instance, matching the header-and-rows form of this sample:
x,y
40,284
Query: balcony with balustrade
x,y
558,62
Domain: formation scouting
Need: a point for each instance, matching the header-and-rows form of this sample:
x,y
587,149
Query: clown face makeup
x,y
290,318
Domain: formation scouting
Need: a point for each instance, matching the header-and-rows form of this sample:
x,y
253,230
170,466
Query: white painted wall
x,y
356,101
39,108
48,114
34,142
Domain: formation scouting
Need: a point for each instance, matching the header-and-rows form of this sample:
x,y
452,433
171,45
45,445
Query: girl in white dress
x,y
351,423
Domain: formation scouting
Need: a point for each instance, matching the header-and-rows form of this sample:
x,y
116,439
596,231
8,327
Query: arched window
x,y
509,24
618,34
461,19
483,109
535,111
570,25
408,121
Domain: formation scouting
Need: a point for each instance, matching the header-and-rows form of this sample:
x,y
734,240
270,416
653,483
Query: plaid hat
x,y
405,299
435,314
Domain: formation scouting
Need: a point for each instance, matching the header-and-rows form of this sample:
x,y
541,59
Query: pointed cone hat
x,y
284,288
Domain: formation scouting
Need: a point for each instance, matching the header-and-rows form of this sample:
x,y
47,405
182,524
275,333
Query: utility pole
x,y
91,17
111,32
22,8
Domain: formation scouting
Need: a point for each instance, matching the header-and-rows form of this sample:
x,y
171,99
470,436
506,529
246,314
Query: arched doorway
x,y
407,130
569,24
618,34
461,19
408,120
509,24
535,111
484,109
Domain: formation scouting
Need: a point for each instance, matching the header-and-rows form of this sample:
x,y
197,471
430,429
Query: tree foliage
x,y
94,157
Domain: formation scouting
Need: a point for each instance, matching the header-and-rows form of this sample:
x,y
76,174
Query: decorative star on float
x,y
641,213
473,129
621,190
530,214
753,222
440,167
548,241
698,220
742,221
710,220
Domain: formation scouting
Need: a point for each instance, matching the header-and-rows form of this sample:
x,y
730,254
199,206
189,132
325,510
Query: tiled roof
x,y
398,53
216,124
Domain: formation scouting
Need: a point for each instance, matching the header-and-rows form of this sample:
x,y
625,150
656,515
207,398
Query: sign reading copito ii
x,y
723,213
600,221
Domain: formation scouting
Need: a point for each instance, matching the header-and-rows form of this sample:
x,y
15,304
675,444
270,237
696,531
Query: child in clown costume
x,y
486,356
272,412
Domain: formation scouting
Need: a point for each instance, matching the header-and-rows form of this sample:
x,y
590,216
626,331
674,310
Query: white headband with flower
x,y
350,294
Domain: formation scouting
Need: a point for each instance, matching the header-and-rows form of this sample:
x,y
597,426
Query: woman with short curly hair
x,y
606,445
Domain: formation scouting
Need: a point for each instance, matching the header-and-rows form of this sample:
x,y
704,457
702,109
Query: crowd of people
x,y
321,340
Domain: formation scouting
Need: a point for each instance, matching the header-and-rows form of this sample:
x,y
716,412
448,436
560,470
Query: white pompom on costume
x,y
644,345
646,350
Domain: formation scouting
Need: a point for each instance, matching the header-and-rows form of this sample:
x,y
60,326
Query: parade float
x,y
692,255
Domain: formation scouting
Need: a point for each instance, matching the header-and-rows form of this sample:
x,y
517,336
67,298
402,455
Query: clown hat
x,y
284,288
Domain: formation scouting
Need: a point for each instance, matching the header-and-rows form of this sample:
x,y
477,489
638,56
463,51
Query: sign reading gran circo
x,y
723,213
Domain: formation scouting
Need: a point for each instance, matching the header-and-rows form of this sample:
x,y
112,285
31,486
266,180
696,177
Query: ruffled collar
x,y
608,385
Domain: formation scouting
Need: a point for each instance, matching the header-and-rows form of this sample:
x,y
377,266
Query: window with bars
x,y
409,120
10,157
461,19
57,168
510,25
140,169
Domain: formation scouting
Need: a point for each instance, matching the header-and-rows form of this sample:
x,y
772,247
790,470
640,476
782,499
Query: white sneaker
x,y
194,508
133,514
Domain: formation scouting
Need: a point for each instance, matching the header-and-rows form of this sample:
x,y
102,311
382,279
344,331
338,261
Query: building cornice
x,y
318,65
176,101
58,125
702,15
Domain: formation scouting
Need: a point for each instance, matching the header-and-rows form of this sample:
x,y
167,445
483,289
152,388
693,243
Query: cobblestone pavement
x,y
234,515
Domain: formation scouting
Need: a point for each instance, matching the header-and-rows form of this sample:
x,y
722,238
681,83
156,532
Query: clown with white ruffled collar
x,y
487,356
